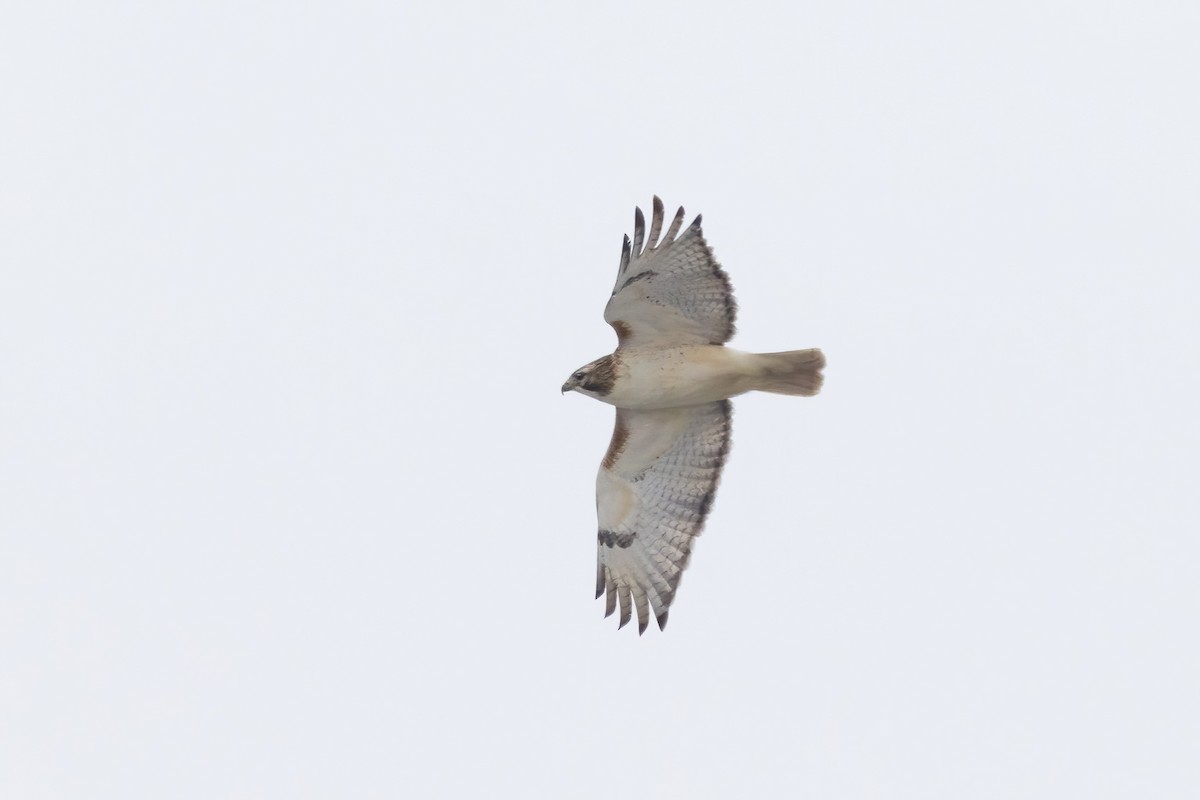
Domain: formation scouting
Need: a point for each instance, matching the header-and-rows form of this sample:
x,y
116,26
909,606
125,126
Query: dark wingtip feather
x,y
639,229
674,228
626,606
662,619
656,221
696,222
642,625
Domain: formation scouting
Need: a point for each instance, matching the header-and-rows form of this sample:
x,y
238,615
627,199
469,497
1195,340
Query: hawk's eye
x,y
578,375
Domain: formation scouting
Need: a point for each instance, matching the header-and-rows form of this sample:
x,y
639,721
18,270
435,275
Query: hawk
x,y
670,379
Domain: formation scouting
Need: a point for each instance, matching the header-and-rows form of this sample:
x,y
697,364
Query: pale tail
x,y
795,372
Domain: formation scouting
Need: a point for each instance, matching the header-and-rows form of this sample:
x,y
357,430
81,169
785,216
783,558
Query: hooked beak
x,y
569,385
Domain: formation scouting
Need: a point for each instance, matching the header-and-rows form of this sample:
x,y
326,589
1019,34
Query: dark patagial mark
x,y
613,539
623,331
617,445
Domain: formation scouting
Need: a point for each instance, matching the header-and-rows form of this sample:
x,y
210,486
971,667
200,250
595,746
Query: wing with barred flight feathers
x,y
670,292
653,492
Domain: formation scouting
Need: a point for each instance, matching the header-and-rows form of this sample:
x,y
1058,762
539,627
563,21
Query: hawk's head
x,y
595,379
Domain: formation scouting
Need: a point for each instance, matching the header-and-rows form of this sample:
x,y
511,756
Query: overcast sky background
x,y
290,503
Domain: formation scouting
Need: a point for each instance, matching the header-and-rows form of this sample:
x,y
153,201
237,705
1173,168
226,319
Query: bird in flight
x,y
670,379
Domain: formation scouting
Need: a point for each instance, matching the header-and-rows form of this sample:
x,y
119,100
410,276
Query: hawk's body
x,y
681,375
670,379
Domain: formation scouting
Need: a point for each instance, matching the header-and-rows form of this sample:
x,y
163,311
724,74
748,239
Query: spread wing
x,y
673,292
653,492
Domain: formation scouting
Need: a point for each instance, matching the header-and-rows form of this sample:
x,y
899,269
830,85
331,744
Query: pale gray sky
x,y
290,503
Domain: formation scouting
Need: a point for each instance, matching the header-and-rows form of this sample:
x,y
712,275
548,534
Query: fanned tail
x,y
796,372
